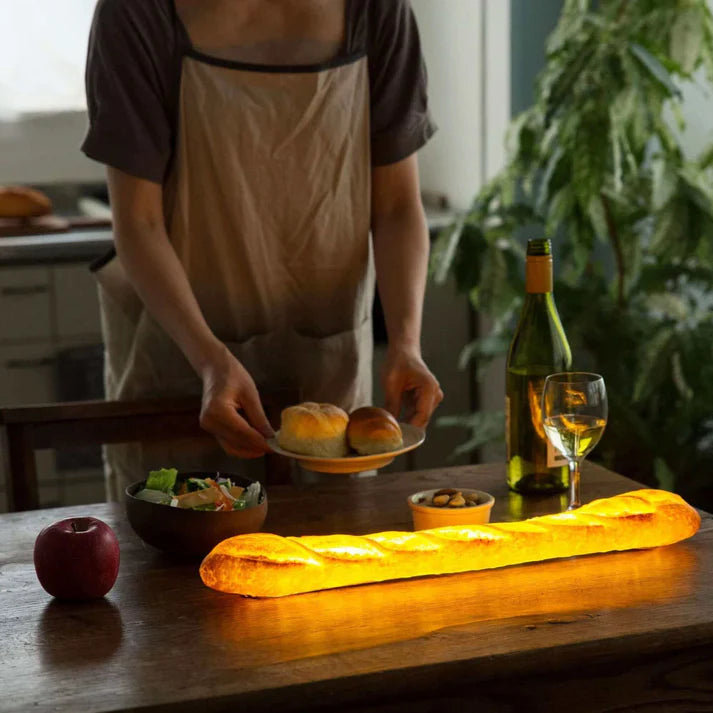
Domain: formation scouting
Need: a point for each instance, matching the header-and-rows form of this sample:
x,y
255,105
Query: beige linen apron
x,y
267,206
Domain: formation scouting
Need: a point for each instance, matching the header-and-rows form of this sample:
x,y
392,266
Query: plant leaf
x,y
445,250
668,232
686,39
679,378
655,68
597,216
667,306
617,168
664,182
493,281
487,347
664,475
559,210
654,362
543,188
486,427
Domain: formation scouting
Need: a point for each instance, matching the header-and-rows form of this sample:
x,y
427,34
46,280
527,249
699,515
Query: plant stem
x,y
618,252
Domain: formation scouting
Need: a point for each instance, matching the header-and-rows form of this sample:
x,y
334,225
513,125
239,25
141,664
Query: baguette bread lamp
x,y
265,565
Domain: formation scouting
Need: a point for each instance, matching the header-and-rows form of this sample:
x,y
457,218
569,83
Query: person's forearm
x,y
160,280
401,248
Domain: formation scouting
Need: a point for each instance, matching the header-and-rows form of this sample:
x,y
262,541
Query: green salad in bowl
x,y
174,510
217,494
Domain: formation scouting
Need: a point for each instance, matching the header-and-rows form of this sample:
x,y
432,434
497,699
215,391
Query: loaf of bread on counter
x,y
23,202
265,565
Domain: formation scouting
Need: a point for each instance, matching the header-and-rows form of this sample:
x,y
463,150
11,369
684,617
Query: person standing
x,y
262,173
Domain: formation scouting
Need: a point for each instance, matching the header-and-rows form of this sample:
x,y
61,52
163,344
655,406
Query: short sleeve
x,y
130,76
400,119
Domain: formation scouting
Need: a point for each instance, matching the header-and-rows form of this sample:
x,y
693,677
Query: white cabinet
x,y
75,305
45,311
27,373
25,296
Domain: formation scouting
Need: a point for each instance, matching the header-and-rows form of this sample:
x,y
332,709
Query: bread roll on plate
x,y
23,202
373,430
314,429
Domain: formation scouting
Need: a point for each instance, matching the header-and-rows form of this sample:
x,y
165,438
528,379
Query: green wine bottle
x,y
539,347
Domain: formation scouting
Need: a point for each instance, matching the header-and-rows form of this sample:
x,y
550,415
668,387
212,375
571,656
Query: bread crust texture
x,y
314,429
373,430
267,565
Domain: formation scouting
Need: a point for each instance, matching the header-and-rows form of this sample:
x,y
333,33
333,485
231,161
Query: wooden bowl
x,y
192,533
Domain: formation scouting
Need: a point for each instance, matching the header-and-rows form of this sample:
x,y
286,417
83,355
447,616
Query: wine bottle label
x,y
554,458
538,273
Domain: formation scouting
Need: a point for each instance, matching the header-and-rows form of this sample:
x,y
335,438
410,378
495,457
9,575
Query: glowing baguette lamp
x,y
266,565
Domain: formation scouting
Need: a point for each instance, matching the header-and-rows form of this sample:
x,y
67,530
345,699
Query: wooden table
x,y
594,633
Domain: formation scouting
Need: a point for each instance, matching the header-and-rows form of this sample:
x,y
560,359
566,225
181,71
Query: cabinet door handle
x,y
24,290
29,363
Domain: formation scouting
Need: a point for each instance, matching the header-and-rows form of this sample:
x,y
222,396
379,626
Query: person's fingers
x,y
230,449
234,443
223,421
393,395
255,414
422,411
409,402
426,402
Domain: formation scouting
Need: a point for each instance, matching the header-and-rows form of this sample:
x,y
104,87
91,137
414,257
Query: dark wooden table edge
x,y
470,681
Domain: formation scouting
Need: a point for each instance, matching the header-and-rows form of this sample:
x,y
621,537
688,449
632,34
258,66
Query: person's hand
x,y
409,384
231,408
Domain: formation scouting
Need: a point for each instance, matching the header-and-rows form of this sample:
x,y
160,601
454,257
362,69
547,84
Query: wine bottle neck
x,y
538,274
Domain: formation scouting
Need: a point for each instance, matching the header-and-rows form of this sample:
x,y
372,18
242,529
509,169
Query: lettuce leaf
x,y
163,480
154,496
193,484
251,494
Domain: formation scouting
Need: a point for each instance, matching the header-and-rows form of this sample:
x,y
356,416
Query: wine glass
x,y
574,414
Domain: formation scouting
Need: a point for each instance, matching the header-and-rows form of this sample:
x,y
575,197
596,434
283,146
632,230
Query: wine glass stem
x,y
574,501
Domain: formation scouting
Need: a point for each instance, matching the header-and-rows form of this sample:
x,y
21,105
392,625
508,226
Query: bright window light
x,y
43,49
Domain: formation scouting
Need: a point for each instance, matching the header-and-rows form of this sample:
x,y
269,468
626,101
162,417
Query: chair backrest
x,y
84,423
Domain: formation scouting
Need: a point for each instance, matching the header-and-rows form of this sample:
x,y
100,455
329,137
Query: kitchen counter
x,y
87,245
54,248
627,631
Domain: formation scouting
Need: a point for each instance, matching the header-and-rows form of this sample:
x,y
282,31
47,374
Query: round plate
x,y
413,437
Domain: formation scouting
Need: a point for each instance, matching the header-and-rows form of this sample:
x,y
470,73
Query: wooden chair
x,y
85,423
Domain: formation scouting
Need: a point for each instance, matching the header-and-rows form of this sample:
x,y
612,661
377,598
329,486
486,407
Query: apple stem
x,y
80,525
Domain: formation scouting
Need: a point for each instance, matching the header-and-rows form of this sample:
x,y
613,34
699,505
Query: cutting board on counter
x,y
48,224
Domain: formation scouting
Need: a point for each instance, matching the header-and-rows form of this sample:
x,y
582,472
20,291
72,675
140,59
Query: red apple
x,y
77,558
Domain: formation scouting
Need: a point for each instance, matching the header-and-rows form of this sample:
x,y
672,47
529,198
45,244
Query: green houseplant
x,y
597,165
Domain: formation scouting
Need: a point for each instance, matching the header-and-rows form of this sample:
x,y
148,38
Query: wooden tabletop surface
x,y
533,637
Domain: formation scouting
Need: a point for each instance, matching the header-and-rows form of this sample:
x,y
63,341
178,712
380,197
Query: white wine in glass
x,y
574,415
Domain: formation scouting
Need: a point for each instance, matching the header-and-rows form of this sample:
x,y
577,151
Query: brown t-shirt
x,y
134,67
